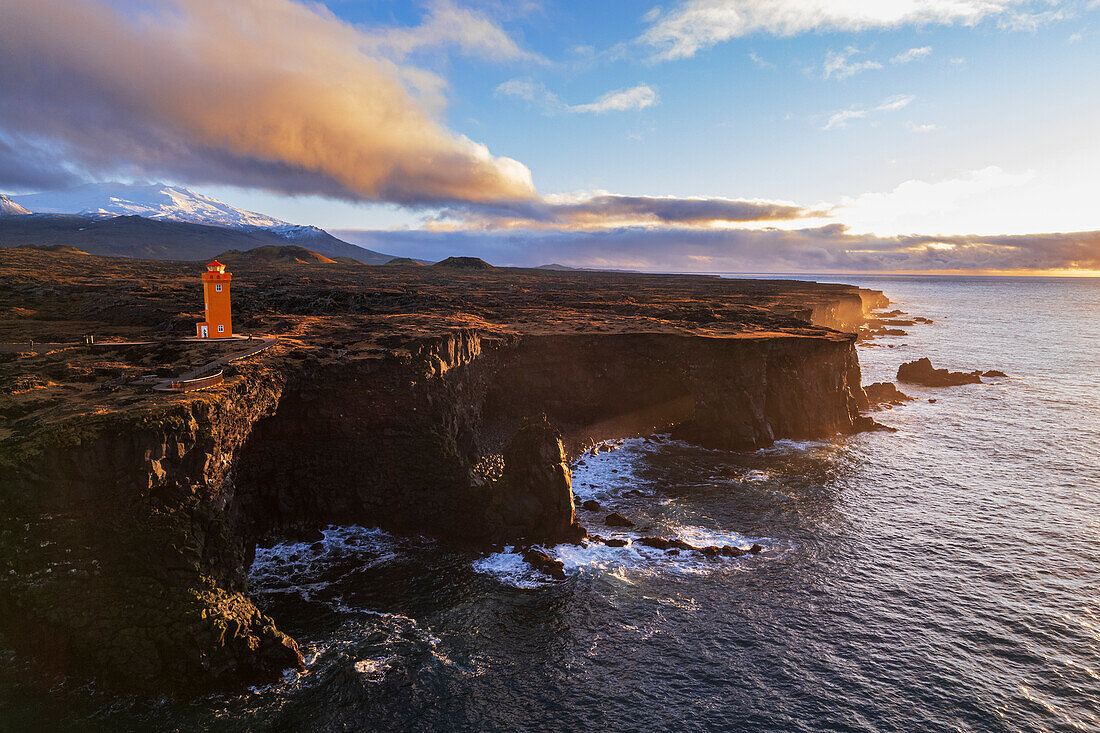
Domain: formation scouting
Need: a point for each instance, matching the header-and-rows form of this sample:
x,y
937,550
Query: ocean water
x,y
945,577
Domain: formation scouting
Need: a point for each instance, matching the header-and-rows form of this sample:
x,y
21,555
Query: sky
x,y
692,135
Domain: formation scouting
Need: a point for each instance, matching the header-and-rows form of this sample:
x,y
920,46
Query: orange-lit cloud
x,y
271,94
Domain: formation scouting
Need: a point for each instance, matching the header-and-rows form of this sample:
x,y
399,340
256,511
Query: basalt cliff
x,y
421,400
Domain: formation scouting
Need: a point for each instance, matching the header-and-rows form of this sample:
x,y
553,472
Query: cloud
x,y
760,62
603,210
638,97
269,94
447,25
698,24
911,55
955,204
838,64
620,100
913,126
841,118
896,102
814,250
892,104
1031,22
25,166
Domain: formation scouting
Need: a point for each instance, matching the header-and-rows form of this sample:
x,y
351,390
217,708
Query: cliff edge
x,y
431,401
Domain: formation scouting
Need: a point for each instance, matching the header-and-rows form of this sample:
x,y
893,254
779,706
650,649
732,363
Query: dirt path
x,y
259,344
255,346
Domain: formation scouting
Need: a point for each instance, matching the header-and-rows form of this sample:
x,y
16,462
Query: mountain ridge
x,y
152,201
8,207
137,237
151,222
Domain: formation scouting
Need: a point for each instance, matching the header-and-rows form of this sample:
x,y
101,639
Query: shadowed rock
x,y
617,520
921,371
545,564
885,393
534,497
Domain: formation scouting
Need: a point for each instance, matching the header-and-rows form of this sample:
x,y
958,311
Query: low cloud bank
x,y
821,249
604,210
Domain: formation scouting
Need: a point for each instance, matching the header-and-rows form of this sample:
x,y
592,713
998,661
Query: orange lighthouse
x,y
215,293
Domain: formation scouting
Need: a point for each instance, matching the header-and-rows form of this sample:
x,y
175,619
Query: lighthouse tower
x,y
215,292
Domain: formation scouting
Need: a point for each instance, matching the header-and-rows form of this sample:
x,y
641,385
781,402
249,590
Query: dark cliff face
x,y
155,516
411,446
732,393
121,562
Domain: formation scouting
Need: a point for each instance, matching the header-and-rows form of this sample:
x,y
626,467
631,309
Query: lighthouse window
x,y
221,329
218,287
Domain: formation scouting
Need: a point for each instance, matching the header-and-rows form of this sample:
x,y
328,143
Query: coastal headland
x,y
443,401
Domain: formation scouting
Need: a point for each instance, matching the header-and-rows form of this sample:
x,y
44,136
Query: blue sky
x,y
897,117
726,125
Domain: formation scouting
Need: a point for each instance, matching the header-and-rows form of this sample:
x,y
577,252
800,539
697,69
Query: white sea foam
x,y
374,670
622,564
511,569
305,568
793,446
610,471
607,476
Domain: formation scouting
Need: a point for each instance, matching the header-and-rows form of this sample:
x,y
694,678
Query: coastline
x,y
150,509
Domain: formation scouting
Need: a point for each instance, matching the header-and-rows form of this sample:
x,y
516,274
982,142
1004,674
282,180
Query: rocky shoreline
x,y
128,530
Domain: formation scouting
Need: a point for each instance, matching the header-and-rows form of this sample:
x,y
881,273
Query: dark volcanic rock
x,y
661,543
921,371
545,564
591,505
617,520
534,497
994,373
615,542
885,393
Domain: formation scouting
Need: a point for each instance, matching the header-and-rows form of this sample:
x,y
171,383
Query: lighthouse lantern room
x,y
215,292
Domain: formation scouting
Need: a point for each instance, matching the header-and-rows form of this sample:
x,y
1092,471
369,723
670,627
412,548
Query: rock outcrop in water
x,y
405,398
922,372
885,393
533,499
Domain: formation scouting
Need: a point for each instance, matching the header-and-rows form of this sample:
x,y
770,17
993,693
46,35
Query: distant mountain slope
x,y
161,203
10,208
136,236
156,201
290,254
60,248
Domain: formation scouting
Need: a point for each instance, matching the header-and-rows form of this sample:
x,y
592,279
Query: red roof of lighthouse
x,y
215,263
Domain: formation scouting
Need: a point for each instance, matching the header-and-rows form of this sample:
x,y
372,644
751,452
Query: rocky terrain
x,y
430,400
922,372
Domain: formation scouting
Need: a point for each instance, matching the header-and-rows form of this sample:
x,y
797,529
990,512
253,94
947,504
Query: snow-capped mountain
x,y
160,222
10,208
156,201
